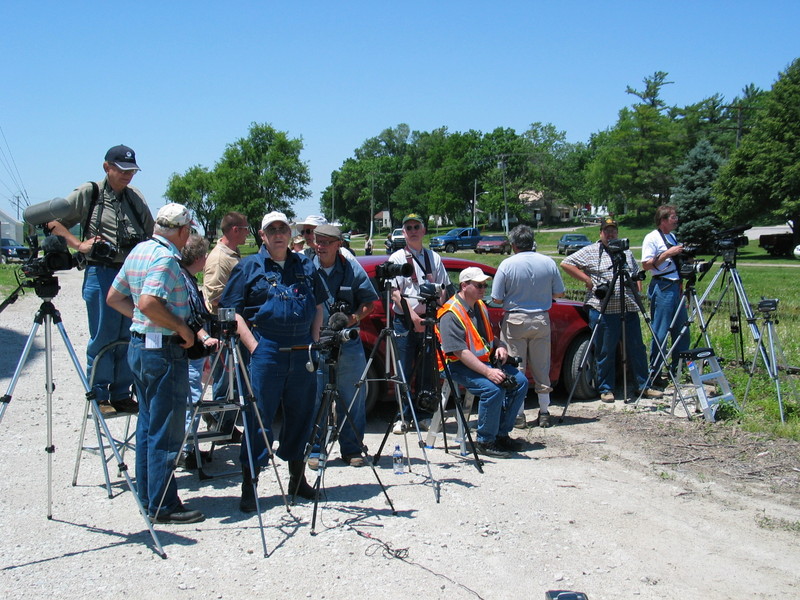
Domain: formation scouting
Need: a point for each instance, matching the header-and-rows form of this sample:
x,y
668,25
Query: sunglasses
x,y
277,230
307,230
480,286
414,227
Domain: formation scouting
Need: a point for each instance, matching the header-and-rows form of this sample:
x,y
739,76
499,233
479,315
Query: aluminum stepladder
x,y
437,421
696,360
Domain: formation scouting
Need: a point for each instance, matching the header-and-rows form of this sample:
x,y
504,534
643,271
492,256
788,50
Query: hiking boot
x,y
178,516
651,393
506,443
607,397
490,449
544,419
520,422
106,409
298,486
126,405
354,461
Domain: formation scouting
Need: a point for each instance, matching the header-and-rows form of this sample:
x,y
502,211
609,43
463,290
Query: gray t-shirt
x,y
454,336
527,282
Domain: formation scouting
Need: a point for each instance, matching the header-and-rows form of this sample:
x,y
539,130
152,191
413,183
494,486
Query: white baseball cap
x,y
314,220
174,215
272,218
472,274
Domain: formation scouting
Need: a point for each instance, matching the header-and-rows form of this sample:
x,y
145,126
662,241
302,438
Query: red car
x,y
493,243
568,319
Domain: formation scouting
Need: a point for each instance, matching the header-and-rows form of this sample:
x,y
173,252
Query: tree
x,y
195,190
763,174
261,173
693,196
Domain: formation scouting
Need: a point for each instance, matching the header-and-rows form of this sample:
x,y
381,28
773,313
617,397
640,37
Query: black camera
x,y
388,270
427,401
732,243
103,251
56,257
601,291
509,383
330,338
768,305
619,245
430,291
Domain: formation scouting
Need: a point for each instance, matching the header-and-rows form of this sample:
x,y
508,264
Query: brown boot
x,y
298,486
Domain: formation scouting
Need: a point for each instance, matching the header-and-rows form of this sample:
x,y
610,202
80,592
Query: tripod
x,y
326,430
621,281
393,373
777,363
246,405
46,288
429,397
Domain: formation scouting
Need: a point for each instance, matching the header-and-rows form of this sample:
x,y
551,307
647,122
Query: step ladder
x,y
213,434
696,361
438,420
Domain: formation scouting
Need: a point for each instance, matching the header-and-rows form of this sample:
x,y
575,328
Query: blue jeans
x,y
349,370
665,299
162,384
195,394
280,378
607,336
497,408
112,376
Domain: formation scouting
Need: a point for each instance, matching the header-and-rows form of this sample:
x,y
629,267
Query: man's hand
x,y
501,353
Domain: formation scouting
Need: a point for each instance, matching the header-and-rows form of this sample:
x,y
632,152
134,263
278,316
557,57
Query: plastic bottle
x,y
397,461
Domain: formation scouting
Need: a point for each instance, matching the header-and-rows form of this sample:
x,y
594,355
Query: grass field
x,y
761,275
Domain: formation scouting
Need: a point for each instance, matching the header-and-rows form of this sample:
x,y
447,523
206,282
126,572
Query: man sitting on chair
x,y
467,341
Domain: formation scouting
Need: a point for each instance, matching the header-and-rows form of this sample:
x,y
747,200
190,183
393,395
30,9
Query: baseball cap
x,y
313,220
272,217
472,274
413,217
123,157
329,231
174,215
608,222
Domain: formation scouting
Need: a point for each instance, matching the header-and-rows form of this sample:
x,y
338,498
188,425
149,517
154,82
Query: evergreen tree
x,y
693,196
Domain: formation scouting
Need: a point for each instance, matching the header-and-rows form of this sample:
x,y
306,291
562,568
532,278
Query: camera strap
x,y
426,269
669,245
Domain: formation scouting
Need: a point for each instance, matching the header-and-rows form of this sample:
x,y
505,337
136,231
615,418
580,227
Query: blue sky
x,y
178,81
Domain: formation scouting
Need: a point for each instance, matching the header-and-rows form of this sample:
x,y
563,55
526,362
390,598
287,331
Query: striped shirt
x,y
595,261
152,269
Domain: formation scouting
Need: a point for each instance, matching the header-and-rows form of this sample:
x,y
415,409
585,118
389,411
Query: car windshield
x,y
398,233
492,238
8,242
453,233
577,238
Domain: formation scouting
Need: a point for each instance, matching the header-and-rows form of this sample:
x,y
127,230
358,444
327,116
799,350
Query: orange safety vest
x,y
475,342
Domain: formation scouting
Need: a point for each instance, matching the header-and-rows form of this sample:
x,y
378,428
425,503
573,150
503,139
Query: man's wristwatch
x,y
205,338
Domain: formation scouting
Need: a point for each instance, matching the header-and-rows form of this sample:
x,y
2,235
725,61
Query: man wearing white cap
x,y
476,360
307,227
150,290
278,293
114,218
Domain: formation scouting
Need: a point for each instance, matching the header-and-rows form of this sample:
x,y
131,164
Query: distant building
x,y
11,228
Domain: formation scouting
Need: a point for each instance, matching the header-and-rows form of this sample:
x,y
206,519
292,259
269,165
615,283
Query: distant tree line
x,y
722,162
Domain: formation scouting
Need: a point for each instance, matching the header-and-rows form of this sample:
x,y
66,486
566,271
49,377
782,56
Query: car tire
x,y
450,248
570,369
373,387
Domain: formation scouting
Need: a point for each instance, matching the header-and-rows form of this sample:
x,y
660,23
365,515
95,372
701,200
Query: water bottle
x,y
397,461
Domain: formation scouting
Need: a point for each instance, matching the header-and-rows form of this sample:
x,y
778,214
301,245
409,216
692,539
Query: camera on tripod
x,y
618,246
57,257
331,338
389,269
768,305
732,238
687,264
430,292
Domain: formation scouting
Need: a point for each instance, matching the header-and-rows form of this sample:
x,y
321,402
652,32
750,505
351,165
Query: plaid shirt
x,y
595,261
152,268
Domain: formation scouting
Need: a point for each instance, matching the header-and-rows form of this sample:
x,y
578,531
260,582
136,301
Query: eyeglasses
x,y
414,227
241,227
277,230
307,230
480,286
324,243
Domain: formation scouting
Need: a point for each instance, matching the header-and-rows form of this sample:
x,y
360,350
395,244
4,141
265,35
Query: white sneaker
x,y
399,428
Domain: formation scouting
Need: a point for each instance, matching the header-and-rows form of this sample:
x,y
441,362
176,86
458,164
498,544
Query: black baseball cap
x,y
123,157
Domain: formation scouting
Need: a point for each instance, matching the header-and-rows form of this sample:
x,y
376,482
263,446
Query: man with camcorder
x,y
595,266
425,266
114,217
469,345
663,256
350,298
